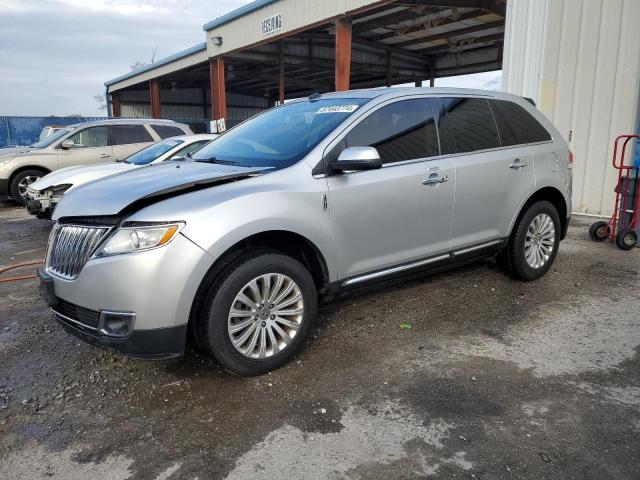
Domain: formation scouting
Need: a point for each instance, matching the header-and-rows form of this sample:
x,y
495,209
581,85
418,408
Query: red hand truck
x,y
622,227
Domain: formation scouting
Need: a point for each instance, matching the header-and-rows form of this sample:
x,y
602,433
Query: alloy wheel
x,y
265,316
25,182
539,241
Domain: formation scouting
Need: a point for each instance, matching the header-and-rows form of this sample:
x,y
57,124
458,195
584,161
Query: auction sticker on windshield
x,y
338,109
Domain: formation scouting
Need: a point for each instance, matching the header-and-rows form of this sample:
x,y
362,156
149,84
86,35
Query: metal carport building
x,y
271,50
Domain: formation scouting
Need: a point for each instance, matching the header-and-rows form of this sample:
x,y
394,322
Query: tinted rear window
x,y
166,131
125,134
516,125
466,125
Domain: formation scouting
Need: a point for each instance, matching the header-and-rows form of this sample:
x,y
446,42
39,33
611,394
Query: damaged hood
x,y
113,194
76,176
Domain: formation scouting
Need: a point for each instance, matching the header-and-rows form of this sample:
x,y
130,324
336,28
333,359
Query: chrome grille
x,y
70,247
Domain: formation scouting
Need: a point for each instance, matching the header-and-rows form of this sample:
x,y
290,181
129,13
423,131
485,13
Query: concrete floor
x,y
495,379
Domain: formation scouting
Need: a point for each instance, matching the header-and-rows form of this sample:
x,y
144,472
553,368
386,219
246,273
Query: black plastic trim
x,y
156,344
4,189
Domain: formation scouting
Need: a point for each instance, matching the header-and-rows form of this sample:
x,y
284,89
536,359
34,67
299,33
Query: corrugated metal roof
x,y
239,12
163,61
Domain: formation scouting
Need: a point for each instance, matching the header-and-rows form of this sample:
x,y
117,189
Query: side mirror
x,y
67,144
357,159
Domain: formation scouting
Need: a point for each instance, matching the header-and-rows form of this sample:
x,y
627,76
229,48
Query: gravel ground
x,y
494,379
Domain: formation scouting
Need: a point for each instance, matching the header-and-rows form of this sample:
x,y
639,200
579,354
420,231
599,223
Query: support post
x,y
218,91
343,53
115,105
156,109
432,81
281,74
389,60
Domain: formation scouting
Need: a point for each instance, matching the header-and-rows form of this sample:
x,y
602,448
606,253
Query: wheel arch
x,y
24,168
288,242
552,195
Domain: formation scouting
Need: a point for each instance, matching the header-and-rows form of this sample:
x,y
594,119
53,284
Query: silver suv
x,y
79,144
316,197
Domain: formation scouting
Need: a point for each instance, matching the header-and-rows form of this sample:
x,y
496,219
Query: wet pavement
x,y
489,378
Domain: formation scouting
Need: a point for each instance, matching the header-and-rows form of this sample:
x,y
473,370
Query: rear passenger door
x,y
492,179
128,139
401,213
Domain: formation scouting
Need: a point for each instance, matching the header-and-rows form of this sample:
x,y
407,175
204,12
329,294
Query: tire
x,y
19,182
520,256
599,231
215,316
626,239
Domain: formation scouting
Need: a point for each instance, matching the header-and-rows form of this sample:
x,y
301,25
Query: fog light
x,y
116,324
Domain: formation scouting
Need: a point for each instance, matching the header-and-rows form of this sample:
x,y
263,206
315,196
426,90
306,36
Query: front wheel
x,y
534,242
21,181
258,313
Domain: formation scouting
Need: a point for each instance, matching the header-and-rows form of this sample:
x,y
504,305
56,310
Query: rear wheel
x,y
534,242
20,182
626,239
258,313
599,231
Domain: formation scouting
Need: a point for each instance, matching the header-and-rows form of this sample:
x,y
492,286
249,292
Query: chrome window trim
x,y
345,129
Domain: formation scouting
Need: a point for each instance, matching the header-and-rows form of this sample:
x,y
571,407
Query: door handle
x,y
434,179
517,163
105,155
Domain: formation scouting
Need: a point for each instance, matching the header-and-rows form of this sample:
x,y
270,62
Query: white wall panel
x,y
580,61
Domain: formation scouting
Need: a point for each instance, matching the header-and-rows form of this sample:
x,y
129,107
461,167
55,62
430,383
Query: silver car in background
x,y
307,200
44,194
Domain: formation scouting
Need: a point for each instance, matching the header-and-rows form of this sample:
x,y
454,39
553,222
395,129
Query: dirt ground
x,y
494,379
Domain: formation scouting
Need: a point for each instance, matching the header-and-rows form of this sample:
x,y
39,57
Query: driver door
x,y
400,213
90,145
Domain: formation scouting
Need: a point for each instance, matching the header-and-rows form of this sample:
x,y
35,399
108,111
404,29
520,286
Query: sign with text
x,y
271,24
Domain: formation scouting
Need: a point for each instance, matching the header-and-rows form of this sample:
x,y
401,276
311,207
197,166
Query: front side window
x,y
516,125
52,138
466,125
149,154
403,130
282,136
92,137
127,134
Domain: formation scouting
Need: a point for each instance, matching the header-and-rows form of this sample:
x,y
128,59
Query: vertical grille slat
x,y
70,248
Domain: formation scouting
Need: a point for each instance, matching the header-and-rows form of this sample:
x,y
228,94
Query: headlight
x,y
136,238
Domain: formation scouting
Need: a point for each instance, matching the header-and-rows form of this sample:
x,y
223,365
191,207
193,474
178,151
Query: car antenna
x,y
314,96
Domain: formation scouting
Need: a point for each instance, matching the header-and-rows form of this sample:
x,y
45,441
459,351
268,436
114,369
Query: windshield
x,y
281,136
52,138
149,154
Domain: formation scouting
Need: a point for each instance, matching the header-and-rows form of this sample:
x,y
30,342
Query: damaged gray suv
x,y
322,195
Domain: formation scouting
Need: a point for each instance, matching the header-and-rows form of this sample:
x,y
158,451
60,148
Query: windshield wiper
x,y
217,161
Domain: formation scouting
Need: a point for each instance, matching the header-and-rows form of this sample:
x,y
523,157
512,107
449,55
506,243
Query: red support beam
x,y
154,88
115,105
218,91
343,53
281,75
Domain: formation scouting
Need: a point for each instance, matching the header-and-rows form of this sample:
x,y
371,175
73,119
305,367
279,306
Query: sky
x,y
55,55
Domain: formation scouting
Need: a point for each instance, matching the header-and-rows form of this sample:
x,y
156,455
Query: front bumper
x,y
158,286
